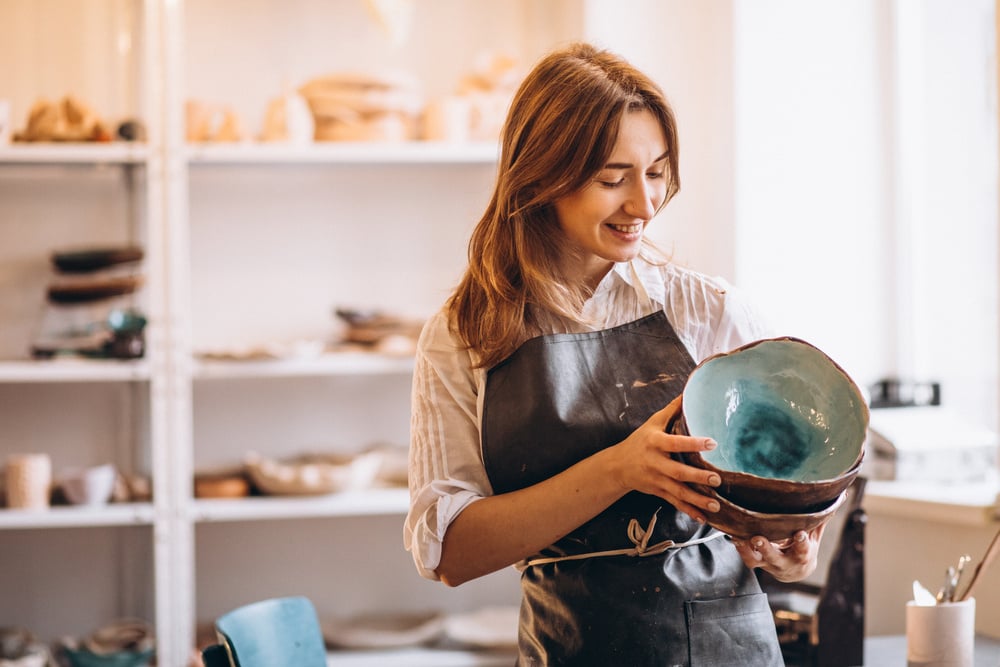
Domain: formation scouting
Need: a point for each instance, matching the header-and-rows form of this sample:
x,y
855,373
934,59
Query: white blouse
x,y
446,471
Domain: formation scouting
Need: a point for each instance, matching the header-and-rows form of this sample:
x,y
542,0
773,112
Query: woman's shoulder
x,y
683,286
688,278
707,311
437,333
440,344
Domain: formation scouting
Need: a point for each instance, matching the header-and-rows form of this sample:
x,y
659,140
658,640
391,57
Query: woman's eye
x,y
612,184
655,174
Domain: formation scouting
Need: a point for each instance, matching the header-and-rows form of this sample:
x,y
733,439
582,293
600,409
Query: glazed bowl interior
x,y
778,409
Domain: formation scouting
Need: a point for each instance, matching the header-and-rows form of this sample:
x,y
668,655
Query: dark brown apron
x,y
680,597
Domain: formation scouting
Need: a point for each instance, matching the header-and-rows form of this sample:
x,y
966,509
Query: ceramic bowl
x,y
90,486
19,648
789,422
85,658
743,524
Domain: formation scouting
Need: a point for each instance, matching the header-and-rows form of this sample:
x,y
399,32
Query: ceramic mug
x,y
940,635
28,480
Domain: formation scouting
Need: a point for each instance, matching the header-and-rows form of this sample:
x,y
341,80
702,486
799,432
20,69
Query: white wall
x,y
866,185
813,188
946,192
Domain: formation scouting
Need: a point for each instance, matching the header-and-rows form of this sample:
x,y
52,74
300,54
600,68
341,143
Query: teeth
x,y
626,229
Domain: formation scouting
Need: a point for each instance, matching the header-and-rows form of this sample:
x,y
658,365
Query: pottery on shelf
x,y
120,643
90,486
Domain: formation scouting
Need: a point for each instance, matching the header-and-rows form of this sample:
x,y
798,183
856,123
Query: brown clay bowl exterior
x,y
770,495
744,524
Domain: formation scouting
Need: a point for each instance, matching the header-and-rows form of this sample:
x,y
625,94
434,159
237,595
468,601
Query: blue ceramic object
x,y
269,633
789,422
84,658
778,408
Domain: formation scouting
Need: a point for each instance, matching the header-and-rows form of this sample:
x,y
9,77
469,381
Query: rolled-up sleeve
x,y
446,471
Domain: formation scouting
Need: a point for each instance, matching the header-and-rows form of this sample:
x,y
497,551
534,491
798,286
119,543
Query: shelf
x,y
117,514
74,153
345,504
73,370
415,152
347,363
421,657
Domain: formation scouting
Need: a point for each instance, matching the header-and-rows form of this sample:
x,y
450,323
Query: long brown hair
x,y
560,130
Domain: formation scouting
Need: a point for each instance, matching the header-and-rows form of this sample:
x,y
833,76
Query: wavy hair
x,y
559,133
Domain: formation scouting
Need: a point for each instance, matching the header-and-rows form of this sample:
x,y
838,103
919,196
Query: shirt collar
x,y
648,274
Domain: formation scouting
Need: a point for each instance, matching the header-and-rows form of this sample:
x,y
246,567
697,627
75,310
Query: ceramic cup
x,y
28,480
90,486
941,635
448,119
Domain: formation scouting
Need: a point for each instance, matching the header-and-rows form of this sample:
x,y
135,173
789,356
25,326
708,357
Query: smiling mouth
x,y
626,229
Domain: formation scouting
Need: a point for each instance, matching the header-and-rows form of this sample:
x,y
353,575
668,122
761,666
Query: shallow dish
x,y
789,422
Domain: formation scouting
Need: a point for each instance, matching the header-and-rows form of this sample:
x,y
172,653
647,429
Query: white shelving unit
x,y
73,370
348,503
119,514
83,412
245,242
358,363
414,153
75,153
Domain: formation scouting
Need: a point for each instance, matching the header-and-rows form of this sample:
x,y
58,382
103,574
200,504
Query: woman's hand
x,y
645,462
791,561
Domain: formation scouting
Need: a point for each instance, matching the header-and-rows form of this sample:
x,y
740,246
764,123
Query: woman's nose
x,y
641,201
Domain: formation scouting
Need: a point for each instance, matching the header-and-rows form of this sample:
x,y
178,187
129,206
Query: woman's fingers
x,y
662,417
791,560
647,461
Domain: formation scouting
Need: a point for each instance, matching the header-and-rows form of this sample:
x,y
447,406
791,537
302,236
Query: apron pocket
x,y
734,631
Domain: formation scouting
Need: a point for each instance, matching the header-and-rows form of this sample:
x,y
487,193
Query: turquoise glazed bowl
x,y
789,422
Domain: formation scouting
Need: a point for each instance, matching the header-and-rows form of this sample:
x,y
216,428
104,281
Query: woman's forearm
x,y
501,530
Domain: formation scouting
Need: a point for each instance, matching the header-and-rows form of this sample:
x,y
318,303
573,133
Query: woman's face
x,y
605,219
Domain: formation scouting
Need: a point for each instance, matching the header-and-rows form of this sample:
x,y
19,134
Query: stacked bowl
x,y
790,426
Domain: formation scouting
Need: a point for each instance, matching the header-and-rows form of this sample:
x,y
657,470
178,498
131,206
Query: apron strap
x,y
640,541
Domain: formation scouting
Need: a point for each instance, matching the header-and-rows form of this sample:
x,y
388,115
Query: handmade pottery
x,y
90,486
28,481
121,643
19,648
789,422
744,524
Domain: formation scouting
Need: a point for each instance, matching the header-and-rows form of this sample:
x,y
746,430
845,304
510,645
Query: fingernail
x,y
710,444
714,480
758,543
713,506
800,536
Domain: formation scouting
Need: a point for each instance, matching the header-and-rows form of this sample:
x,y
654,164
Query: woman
x,y
541,396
